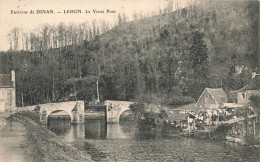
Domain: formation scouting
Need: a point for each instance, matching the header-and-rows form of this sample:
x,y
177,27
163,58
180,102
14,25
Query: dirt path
x,y
25,140
12,140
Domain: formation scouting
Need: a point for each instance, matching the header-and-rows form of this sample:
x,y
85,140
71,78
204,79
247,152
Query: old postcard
x,y
129,80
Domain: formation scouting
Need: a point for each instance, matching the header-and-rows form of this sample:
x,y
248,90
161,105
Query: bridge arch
x,y
75,109
114,109
125,114
55,111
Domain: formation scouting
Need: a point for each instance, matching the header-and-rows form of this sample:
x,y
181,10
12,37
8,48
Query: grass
x,y
43,145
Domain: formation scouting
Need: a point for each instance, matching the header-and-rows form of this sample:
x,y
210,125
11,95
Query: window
x,y
243,95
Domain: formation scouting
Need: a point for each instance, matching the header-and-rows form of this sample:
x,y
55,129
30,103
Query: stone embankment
x,y
40,144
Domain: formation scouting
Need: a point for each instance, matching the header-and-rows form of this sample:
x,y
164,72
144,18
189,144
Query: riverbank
x,y
41,144
12,140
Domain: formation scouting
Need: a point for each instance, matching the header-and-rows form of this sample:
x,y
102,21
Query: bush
x,y
137,109
152,98
166,99
255,99
163,114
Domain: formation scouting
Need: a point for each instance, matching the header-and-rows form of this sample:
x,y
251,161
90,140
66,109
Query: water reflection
x,y
120,131
98,129
63,127
59,126
95,129
76,131
146,144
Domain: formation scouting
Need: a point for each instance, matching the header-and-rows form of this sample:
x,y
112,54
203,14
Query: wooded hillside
x,y
161,58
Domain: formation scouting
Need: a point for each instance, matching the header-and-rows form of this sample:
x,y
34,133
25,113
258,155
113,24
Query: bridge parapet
x,y
29,108
75,110
115,108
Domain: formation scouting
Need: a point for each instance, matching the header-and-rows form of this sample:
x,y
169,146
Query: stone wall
x,y
7,99
243,97
115,108
75,109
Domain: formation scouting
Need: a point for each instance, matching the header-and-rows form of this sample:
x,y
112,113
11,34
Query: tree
x,y
120,20
199,64
163,114
255,99
15,38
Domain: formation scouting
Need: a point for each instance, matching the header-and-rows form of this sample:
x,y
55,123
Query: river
x,y
124,141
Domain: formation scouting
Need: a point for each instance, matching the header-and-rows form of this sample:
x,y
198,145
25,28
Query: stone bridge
x,y
115,108
75,109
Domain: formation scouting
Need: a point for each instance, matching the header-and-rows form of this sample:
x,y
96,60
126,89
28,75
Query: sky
x,y
31,21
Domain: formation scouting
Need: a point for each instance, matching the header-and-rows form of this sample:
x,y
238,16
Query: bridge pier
x,y
114,109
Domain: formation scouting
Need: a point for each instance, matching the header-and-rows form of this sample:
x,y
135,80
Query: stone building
x,y
7,91
242,95
212,98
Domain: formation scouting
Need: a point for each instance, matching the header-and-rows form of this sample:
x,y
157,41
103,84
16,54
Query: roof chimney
x,y
13,78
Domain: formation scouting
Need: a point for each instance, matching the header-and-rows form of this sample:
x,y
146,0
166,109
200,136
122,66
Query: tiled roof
x,y
5,80
177,116
253,85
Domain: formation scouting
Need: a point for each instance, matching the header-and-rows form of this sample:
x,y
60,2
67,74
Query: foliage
x,y
177,100
255,99
163,114
222,131
199,63
137,109
151,59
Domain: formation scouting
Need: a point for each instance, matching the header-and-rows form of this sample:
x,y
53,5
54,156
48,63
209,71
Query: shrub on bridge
x,y
137,109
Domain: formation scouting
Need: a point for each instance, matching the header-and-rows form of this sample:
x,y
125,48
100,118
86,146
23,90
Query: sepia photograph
x,y
129,80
